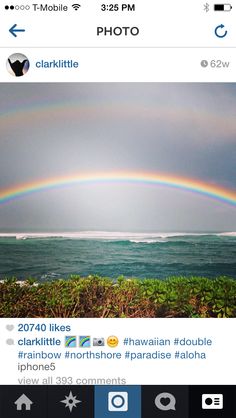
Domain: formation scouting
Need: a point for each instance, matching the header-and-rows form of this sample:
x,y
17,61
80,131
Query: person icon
x,y
17,65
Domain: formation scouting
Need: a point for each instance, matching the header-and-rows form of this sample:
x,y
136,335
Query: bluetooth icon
x,y
206,7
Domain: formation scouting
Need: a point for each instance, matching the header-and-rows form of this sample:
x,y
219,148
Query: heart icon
x,y
9,327
165,401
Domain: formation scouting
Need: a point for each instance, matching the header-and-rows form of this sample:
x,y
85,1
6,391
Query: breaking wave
x,y
116,236
133,237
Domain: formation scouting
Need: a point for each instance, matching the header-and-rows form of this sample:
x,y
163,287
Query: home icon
x,y
23,403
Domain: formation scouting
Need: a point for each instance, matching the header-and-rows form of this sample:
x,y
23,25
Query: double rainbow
x,y
195,186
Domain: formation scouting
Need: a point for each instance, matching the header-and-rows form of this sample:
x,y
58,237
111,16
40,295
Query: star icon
x,y
70,401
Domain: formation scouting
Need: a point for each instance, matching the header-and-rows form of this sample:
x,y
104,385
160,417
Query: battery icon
x,y
223,7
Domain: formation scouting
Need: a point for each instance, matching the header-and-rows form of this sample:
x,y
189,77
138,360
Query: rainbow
x,y
70,341
84,341
196,186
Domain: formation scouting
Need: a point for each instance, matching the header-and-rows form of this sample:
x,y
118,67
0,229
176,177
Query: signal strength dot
x,y
76,6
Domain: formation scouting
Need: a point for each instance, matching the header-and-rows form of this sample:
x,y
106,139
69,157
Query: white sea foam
x,y
227,234
147,241
116,236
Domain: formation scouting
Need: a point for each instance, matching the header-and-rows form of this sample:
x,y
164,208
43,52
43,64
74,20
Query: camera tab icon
x,y
118,401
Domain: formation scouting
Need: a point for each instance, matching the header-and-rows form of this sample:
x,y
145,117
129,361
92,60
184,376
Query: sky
x,y
49,130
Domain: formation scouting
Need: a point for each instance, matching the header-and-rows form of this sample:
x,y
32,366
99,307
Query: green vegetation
x,y
99,297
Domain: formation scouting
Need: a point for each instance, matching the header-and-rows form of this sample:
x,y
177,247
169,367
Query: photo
x,y
118,200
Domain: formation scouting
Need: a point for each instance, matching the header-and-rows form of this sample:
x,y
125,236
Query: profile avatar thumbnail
x,y
17,65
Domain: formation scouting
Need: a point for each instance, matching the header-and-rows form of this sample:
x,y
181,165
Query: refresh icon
x,y
220,32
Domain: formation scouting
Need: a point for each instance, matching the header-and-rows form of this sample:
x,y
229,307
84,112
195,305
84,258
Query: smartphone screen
x,y
117,209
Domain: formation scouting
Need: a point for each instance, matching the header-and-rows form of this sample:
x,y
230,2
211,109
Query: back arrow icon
x,y
13,30
218,29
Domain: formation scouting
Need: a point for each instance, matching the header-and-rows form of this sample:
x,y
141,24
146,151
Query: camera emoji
x,y
118,401
98,342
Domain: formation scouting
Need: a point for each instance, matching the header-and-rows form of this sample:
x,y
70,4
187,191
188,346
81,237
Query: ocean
x,y
158,255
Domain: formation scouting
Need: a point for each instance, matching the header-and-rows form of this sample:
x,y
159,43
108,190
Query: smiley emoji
x,y
112,341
